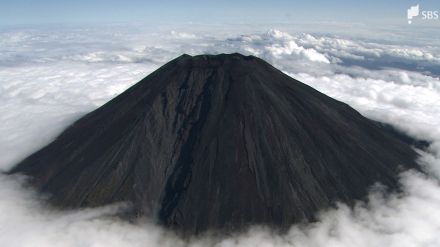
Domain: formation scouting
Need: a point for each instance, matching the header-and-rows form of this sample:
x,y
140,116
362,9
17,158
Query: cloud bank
x,y
49,77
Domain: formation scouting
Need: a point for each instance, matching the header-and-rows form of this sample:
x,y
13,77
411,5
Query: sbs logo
x,y
414,11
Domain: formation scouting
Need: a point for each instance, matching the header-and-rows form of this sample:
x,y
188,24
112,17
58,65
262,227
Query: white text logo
x,y
414,11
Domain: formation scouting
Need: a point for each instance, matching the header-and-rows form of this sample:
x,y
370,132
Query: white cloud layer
x,y
49,78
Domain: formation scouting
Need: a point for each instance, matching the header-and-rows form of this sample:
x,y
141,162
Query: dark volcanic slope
x,y
224,141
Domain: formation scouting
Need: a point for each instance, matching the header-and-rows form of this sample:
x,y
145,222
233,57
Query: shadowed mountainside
x,y
219,142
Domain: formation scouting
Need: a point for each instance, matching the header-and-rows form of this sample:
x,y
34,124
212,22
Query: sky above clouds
x,y
227,11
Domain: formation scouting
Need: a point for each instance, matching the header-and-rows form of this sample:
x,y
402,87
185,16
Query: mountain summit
x,y
219,142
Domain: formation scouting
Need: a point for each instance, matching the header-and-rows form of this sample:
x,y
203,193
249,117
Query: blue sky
x,y
166,11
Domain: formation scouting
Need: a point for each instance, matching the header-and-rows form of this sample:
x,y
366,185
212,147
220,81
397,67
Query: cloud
x,y
38,101
50,77
413,107
183,35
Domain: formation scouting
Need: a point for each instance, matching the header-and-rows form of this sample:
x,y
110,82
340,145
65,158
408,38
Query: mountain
x,y
219,142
